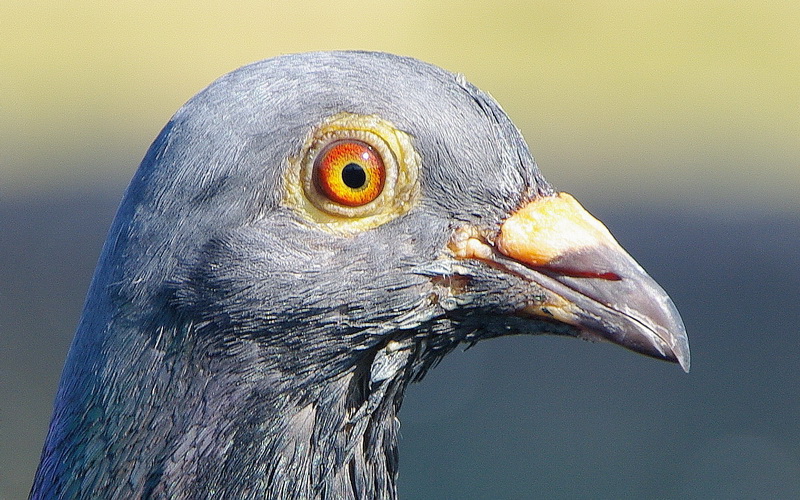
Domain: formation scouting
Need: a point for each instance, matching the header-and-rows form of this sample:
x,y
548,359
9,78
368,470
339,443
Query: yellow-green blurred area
x,y
676,123
633,99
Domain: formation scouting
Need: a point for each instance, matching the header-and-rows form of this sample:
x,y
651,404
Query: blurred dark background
x,y
678,125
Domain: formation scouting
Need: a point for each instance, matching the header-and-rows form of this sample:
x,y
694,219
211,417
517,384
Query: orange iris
x,y
349,172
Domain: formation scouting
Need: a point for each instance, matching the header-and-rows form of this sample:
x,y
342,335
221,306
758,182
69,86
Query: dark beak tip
x,y
672,333
646,321
674,349
653,319
681,351
685,364
667,340
671,345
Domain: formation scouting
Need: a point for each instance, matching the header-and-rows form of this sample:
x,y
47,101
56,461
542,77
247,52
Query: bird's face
x,y
365,202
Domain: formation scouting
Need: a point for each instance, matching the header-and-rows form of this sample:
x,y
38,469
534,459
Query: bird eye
x,y
354,172
349,172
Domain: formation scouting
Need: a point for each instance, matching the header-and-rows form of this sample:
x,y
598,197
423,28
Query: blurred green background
x,y
677,123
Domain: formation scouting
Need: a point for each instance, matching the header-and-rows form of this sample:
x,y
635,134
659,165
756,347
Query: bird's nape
x,y
305,237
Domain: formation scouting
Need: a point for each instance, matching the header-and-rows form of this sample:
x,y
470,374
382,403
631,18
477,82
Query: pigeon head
x,y
305,237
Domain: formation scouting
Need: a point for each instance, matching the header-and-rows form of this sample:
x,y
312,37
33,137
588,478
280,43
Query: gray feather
x,y
228,349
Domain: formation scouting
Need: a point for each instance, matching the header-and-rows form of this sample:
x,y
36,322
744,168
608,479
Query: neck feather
x,y
150,421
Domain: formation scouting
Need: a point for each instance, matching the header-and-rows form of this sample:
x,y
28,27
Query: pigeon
x,y
305,238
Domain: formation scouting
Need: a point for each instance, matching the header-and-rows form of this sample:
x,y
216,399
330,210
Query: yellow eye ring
x,y
349,172
352,173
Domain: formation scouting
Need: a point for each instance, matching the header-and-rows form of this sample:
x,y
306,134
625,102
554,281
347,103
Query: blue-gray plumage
x,y
238,341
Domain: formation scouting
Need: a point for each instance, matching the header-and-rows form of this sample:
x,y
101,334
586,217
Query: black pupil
x,y
354,176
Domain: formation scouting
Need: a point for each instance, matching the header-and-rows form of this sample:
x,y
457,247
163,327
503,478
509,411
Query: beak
x,y
588,280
